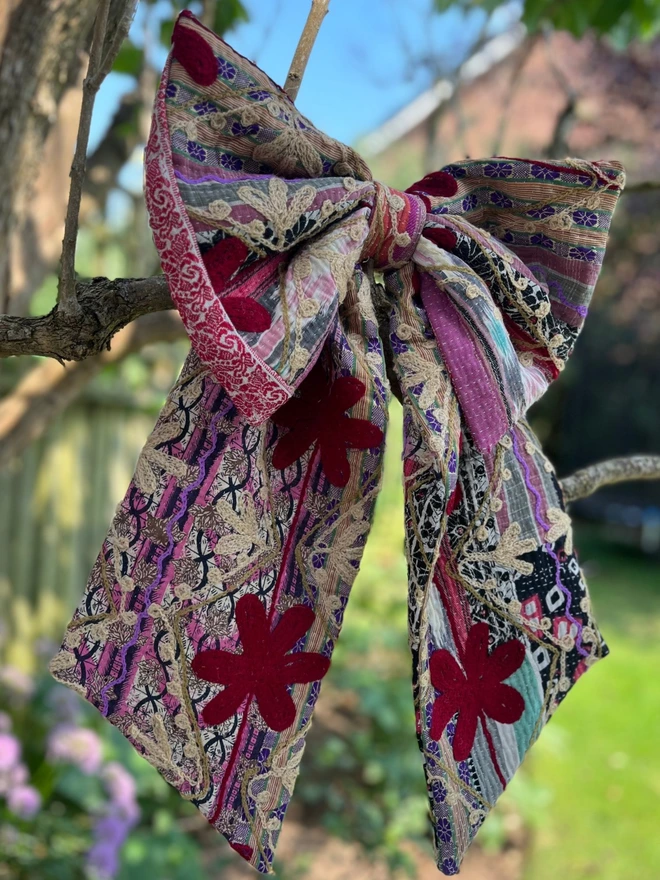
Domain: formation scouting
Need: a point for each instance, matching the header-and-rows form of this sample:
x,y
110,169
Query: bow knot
x,y
395,225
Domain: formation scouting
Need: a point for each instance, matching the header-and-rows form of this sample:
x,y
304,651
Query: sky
x,y
368,61
364,66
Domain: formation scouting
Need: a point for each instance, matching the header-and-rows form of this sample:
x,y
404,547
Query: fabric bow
x,y
217,598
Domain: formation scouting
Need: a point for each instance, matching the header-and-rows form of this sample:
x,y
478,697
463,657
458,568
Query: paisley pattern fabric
x,y
215,603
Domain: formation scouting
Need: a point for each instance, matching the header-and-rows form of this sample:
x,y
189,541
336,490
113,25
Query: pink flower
x,y
76,745
24,801
10,752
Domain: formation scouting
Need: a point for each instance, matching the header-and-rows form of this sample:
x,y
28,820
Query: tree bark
x,y
40,57
105,307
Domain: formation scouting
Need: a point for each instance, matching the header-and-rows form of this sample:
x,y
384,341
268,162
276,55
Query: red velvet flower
x,y
222,261
193,52
265,667
318,415
476,690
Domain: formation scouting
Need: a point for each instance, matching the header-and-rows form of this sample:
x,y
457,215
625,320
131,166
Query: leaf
x,y
129,59
228,13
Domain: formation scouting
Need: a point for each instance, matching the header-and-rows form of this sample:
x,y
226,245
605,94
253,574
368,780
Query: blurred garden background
x,y
414,86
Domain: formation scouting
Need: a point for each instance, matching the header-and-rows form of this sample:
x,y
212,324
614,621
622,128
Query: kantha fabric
x,y
212,611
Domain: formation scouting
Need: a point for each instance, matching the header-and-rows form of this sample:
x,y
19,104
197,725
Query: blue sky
x,y
363,66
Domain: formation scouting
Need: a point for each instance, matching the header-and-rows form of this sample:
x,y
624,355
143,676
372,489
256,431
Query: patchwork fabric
x,y
215,603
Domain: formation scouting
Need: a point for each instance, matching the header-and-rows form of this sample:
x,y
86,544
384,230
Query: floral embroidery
x,y
204,108
476,690
542,172
225,69
318,415
542,240
265,668
231,163
541,213
582,253
196,151
499,169
502,201
585,218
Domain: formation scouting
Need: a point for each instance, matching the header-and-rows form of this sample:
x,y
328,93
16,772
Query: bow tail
x,y
207,521
499,614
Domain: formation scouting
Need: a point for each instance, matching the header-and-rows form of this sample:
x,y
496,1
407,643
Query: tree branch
x,y
101,57
304,48
103,308
606,473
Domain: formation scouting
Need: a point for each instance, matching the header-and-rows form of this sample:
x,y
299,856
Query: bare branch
x,y
606,473
66,288
304,48
118,25
48,389
103,308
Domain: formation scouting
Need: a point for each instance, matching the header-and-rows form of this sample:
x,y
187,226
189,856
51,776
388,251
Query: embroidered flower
x,y
582,253
498,169
318,415
542,172
541,213
585,218
542,240
238,129
469,203
259,95
455,170
225,69
231,163
444,829
265,667
196,151
499,199
171,90
476,690
204,108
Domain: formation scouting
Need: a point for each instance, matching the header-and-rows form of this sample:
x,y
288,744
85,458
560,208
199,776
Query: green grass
x,y
599,758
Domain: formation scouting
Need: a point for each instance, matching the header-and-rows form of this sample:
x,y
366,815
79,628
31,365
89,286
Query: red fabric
x,y
265,667
440,184
194,53
223,259
242,849
477,690
246,314
444,238
317,415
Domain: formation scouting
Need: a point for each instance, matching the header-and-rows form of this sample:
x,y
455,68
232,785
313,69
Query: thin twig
x,y
66,296
101,58
117,31
606,473
304,48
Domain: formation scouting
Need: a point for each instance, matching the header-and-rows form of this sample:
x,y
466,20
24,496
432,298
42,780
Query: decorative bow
x,y
217,598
